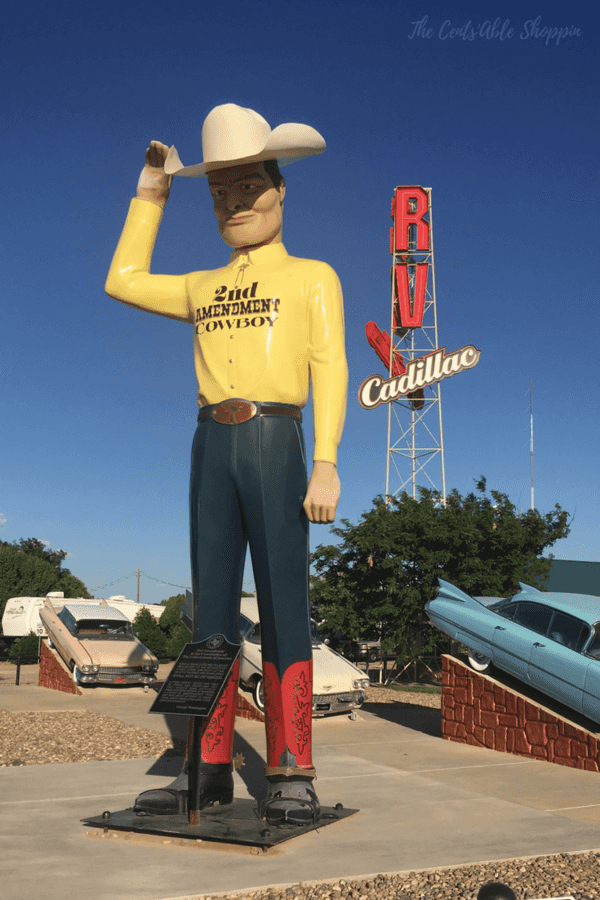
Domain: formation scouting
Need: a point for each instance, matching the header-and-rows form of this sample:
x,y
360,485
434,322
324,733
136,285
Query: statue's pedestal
x,y
237,823
481,711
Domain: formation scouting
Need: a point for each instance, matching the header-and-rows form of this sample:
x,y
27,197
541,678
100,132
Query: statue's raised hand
x,y
154,184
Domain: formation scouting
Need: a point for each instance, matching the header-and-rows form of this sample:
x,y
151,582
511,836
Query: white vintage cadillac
x,y
338,686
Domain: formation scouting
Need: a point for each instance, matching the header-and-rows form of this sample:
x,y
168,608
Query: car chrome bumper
x,y
106,676
324,704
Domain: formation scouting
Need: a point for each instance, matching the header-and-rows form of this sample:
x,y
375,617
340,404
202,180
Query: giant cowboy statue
x,y
266,325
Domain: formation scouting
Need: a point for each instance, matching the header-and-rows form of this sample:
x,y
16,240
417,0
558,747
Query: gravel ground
x,y
567,874
35,738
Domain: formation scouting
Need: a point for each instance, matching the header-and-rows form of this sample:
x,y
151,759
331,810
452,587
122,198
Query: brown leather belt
x,y
234,412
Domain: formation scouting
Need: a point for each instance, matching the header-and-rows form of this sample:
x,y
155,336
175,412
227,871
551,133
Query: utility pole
x,y
138,593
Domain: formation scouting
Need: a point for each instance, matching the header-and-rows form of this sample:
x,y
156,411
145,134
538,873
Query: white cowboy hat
x,y
233,135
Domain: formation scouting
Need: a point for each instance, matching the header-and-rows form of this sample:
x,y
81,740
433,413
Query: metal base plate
x,y
236,823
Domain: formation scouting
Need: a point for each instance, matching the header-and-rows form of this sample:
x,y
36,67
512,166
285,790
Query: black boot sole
x,y
176,803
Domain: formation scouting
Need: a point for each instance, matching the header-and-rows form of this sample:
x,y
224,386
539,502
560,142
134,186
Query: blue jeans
x,y
247,485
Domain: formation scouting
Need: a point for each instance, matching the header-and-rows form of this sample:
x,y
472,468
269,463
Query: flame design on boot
x,y
288,721
217,735
288,714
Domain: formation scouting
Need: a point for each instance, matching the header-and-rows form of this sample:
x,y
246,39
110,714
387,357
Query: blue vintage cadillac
x,y
548,640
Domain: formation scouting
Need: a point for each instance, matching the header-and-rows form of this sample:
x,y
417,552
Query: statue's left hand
x,y
323,493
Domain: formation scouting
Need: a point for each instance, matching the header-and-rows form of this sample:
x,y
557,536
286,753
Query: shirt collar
x,y
268,254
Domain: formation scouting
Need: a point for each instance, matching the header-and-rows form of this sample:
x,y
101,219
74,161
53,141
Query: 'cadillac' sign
x,y
419,373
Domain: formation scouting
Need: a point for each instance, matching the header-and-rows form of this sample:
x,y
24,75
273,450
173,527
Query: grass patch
x,y
411,688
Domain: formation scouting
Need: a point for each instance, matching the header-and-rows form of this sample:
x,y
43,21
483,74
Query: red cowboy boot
x,y
288,721
215,773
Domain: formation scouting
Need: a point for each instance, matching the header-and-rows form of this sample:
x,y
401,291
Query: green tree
x,y
147,629
174,632
376,582
28,569
170,618
35,547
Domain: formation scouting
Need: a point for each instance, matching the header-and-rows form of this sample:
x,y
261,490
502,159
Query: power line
x,y
185,586
108,584
134,575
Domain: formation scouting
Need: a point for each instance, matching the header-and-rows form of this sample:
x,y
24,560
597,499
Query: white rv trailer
x,y
22,614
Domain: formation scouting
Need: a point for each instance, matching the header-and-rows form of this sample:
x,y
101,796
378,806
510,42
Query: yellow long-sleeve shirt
x,y
265,325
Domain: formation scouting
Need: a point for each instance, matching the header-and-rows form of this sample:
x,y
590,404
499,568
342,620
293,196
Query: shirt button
x,y
230,360
230,337
232,386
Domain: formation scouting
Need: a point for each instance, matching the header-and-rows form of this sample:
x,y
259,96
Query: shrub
x,y
170,620
26,647
179,637
146,628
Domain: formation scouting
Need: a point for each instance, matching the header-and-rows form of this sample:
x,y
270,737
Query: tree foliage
x,y
35,547
170,623
376,582
26,647
167,637
29,569
147,629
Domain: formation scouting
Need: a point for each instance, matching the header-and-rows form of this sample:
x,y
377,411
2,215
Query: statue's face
x,y
248,207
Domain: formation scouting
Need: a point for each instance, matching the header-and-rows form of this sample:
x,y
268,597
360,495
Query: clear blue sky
x,y
98,400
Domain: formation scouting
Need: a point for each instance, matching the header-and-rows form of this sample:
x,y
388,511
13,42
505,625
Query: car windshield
x,y
108,629
251,631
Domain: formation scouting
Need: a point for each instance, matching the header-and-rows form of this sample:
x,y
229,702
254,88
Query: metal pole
x,y
138,591
531,440
391,363
194,763
17,679
435,333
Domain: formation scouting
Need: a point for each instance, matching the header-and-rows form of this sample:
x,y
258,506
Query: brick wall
x,y
245,710
477,710
54,674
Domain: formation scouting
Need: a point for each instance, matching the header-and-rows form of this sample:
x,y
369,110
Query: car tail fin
x,y
448,591
528,588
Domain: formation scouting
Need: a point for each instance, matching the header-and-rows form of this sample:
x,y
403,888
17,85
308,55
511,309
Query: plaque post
x,y
194,763
192,689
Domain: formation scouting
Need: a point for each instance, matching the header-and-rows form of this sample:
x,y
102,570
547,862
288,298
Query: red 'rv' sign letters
x,y
410,234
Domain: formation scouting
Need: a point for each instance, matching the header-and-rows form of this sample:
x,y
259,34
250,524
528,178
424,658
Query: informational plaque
x,y
197,678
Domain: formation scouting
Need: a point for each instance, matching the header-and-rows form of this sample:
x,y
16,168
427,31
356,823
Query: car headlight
x,y
150,667
89,669
361,683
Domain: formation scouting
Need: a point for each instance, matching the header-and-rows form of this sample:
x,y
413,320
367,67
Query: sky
x,y
498,115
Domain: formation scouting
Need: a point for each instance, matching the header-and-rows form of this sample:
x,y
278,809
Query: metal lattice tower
x,y
415,437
